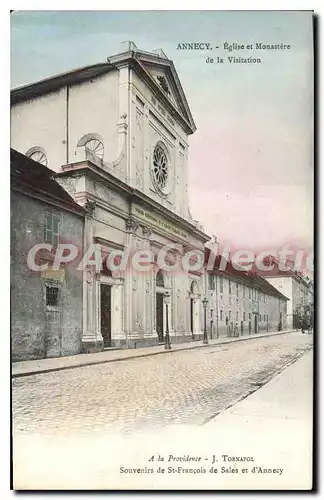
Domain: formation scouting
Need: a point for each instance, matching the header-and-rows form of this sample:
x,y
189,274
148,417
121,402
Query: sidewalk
x,y
274,426
24,368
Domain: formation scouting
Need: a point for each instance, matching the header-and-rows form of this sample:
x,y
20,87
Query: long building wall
x,y
232,302
57,121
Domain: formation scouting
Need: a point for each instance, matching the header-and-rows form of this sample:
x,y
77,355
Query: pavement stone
x,y
189,387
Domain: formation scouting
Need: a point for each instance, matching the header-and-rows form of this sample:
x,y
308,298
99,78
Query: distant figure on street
x,y
228,327
304,325
236,330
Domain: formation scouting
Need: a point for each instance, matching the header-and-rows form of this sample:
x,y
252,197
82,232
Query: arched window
x,y
93,143
96,147
37,154
159,279
194,288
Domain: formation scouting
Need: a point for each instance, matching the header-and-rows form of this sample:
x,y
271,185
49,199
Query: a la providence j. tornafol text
x,y
188,464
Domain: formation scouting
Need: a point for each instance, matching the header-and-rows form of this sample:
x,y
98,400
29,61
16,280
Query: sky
x,y
251,158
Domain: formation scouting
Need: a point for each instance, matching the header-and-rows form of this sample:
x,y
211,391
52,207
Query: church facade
x,y
115,135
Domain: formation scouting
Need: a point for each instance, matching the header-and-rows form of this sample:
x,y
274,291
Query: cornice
x,y
91,170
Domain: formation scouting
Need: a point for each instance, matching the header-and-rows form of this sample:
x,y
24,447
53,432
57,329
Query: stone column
x,y
149,289
91,338
170,286
138,297
146,148
118,336
130,283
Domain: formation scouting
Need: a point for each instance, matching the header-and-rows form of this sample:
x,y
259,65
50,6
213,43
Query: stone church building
x,y
116,136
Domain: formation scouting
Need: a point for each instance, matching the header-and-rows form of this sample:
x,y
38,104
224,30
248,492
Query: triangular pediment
x,y
164,82
163,73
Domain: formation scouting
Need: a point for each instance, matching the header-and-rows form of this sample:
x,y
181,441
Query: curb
x,y
91,363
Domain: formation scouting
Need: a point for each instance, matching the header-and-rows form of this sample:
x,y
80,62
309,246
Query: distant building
x,y
310,296
244,299
46,306
294,285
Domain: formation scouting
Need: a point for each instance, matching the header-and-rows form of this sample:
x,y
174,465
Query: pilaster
x,y
91,338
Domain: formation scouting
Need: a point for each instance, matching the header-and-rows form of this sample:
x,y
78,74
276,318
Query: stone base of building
x,y
129,343
134,343
180,339
196,337
91,346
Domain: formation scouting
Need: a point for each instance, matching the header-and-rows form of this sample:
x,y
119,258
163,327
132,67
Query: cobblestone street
x,y
187,387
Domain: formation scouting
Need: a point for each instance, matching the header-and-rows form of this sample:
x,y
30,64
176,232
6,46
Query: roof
x,y
249,278
35,179
140,61
275,271
56,82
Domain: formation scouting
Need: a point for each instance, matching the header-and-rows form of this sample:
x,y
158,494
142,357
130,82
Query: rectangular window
x,y
221,315
264,317
221,284
260,317
249,293
250,316
230,315
51,229
229,287
237,289
52,296
244,316
237,315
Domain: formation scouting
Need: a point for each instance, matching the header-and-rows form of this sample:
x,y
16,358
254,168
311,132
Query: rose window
x,y
160,167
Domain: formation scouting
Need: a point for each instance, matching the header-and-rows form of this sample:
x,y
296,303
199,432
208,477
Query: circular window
x,y
39,156
160,168
96,147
